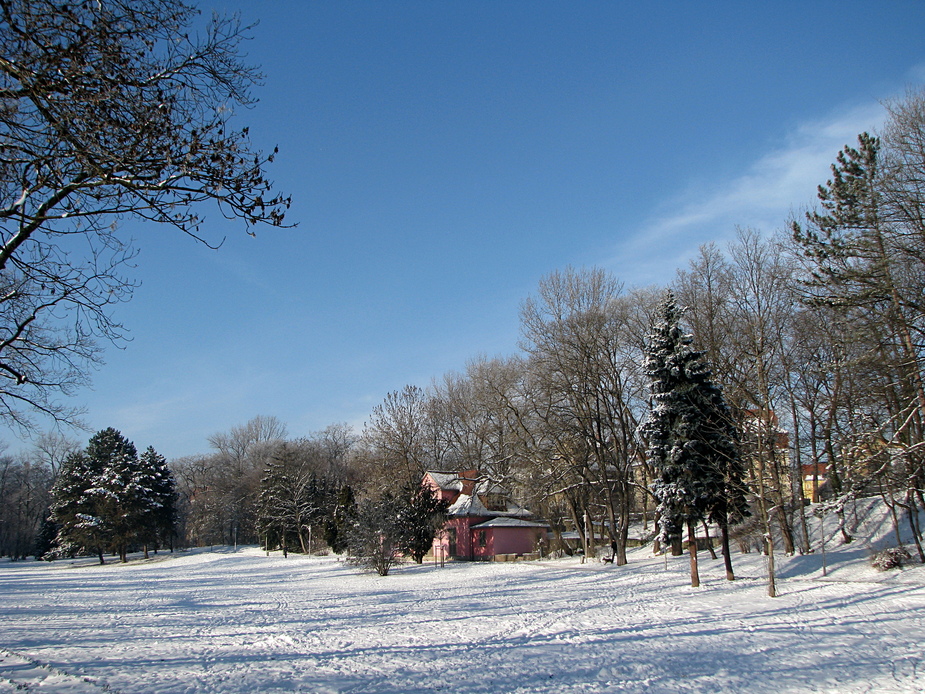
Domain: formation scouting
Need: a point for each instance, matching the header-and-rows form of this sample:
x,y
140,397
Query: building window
x,y
483,540
495,502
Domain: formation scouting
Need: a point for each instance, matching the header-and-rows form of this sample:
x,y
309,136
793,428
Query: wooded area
x,y
814,335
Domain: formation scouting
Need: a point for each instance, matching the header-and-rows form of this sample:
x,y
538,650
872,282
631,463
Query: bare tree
x,y
577,334
399,439
25,486
53,448
108,111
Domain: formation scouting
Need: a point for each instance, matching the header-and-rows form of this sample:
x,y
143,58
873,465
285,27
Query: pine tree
x,y
274,512
160,502
45,540
318,503
74,509
106,497
866,260
420,519
295,504
337,526
691,440
119,492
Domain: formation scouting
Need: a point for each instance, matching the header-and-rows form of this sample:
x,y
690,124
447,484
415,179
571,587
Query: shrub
x,y
890,558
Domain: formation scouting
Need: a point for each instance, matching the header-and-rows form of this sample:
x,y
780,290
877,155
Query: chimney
x,y
468,479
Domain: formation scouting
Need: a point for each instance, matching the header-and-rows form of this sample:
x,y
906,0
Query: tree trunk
x,y
825,570
706,530
692,548
657,543
766,523
913,512
622,537
589,532
579,526
887,496
727,555
772,576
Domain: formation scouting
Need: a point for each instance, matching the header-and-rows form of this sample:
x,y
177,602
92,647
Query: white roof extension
x,y
447,480
507,522
471,504
467,505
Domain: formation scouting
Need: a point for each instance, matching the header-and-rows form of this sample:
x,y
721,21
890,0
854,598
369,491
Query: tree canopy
x,y
108,111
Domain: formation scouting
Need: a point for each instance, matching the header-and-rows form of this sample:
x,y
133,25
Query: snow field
x,y
243,622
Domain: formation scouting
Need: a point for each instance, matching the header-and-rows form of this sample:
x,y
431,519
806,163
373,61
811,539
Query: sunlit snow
x,y
225,621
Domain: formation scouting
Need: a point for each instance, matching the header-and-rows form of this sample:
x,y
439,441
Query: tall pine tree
x,y
108,498
119,492
75,513
692,443
159,502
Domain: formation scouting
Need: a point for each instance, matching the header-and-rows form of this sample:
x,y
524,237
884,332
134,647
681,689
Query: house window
x,y
495,502
451,541
483,540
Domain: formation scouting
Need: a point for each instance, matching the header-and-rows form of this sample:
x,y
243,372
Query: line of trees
x,y
60,500
815,335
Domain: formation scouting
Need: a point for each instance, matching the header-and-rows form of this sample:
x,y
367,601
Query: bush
x,y
891,558
373,539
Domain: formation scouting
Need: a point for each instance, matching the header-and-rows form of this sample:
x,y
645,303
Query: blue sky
x,y
443,157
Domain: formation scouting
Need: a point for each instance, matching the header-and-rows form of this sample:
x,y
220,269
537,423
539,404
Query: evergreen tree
x,y
337,526
865,252
420,519
75,511
120,493
106,497
319,503
274,507
160,504
45,540
691,439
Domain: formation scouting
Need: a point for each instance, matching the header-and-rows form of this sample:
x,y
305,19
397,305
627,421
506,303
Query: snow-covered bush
x,y
890,558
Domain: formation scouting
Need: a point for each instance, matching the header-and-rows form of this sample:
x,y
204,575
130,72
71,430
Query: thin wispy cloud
x,y
777,185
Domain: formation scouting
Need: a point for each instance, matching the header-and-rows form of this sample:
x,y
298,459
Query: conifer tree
x,y
119,493
691,439
274,514
74,510
160,503
337,526
865,253
293,500
106,497
419,520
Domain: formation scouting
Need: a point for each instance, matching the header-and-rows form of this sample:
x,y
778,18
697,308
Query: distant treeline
x,y
815,335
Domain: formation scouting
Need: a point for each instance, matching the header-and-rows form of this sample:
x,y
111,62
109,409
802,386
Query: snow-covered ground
x,y
224,621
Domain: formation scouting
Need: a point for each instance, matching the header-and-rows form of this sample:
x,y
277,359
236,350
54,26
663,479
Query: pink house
x,y
483,520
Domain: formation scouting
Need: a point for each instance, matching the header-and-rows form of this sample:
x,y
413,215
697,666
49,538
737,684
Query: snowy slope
x,y
244,622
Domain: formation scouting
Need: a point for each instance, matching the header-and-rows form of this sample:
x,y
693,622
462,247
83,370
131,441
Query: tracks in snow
x,y
24,674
